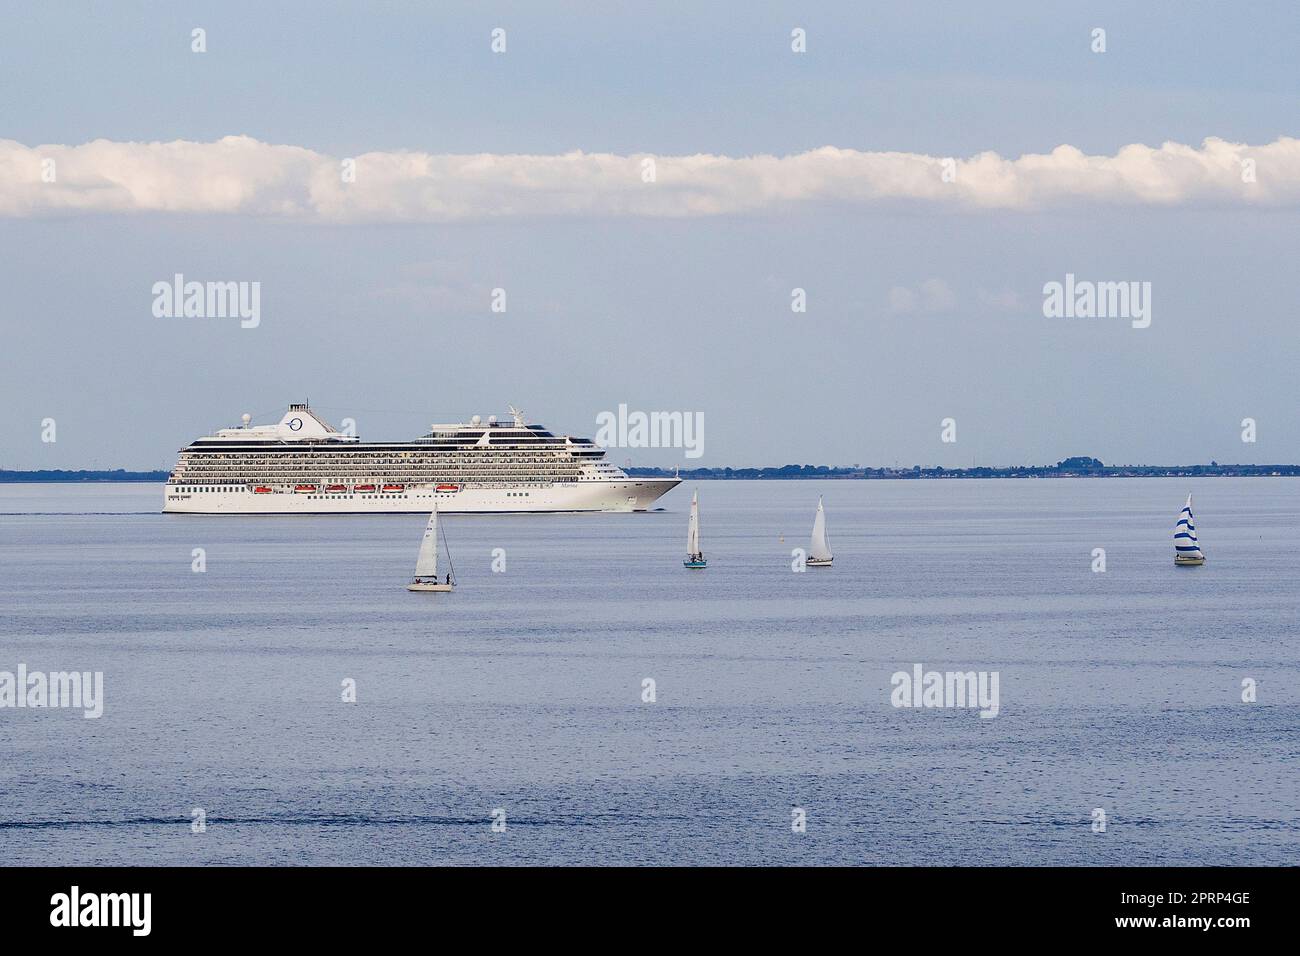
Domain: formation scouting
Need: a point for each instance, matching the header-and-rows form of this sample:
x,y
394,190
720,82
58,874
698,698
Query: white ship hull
x,y
303,465
631,494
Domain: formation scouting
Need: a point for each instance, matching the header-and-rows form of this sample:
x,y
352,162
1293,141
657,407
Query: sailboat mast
x,y
447,548
693,527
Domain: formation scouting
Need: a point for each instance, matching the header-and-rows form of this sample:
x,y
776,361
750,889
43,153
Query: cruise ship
x,y
302,465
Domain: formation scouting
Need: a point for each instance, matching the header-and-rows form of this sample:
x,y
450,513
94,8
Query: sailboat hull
x,y
1181,560
695,565
819,562
417,586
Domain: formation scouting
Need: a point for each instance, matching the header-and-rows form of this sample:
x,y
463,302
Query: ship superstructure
x,y
302,464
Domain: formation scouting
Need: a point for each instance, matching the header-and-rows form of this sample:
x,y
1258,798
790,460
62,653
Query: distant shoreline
x,y
916,472
1070,468
59,475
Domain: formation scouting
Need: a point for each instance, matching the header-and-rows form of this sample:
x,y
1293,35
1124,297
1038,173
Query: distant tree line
x,y
1068,468
58,474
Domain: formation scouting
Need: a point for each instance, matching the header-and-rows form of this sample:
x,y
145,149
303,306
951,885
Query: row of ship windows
x,y
195,489
363,465
345,446
486,454
329,468
509,494
380,480
234,472
323,464
350,497
336,480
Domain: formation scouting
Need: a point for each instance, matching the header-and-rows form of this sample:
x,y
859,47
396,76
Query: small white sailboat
x,y
426,565
694,556
1187,550
819,554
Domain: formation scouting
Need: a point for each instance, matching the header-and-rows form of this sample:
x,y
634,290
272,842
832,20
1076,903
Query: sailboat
x,y
819,555
426,565
1187,550
694,556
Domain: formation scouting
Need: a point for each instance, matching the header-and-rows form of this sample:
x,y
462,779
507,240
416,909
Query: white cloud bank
x,y
241,175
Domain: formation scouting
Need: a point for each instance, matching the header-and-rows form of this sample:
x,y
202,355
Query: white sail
x,y
426,565
693,528
1185,542
821,548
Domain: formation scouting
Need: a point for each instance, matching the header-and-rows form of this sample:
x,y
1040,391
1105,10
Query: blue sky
x,y
389,321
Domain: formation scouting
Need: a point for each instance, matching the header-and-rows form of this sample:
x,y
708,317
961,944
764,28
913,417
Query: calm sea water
x,y
523,689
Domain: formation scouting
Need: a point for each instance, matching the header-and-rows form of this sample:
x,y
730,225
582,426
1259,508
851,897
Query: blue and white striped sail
x,y
1185,543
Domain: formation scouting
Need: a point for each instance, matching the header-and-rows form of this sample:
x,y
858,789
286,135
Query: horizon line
x,y
1208,470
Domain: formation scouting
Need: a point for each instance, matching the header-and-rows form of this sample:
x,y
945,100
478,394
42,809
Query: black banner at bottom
x,y
212,905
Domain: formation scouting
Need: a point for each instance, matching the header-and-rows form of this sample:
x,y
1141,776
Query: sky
x,y
774,170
